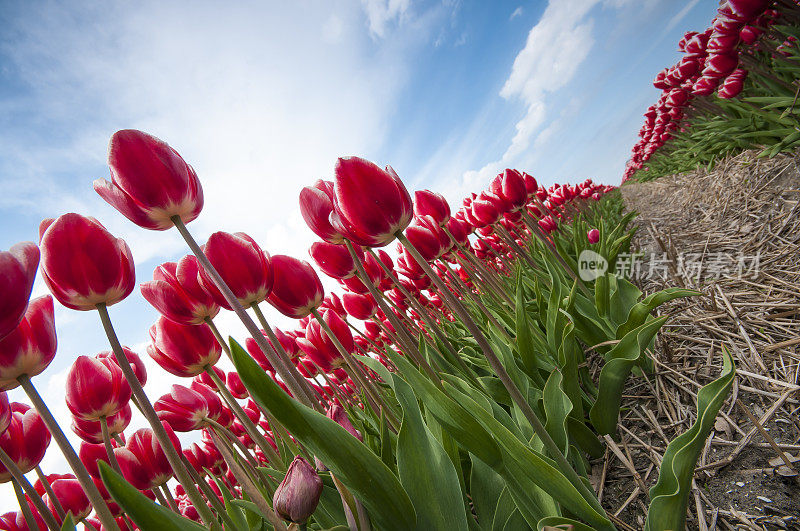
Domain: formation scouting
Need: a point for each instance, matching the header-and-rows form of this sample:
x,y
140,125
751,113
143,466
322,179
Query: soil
x,y
732,233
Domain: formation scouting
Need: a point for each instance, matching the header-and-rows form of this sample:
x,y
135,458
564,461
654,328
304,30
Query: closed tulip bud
x,y
242,264
83,264
236,386
297,287
297,496
133,358
593,236
427,203
257,354
485,212
187,410
316,205
31,346
721,64
181,349
371,204
5,411
69,493
209,393
16,521
90,454
320,348
145,447
333,260
96,388
205,379
428,238
91,430
361,307
178,295
510,186
337,414
150,182
17,272
25,440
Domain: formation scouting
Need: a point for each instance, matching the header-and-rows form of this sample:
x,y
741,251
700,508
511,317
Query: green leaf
x,y
641,311
485,488
69,523
146,514
620,361
425,469
360,470
559,522
670,495
557,407
525,346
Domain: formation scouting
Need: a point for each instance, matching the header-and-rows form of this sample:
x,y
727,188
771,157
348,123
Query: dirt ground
x,y
734,234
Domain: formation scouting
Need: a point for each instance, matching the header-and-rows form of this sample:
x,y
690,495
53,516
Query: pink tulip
x,y
96,388
181,349
30,347
177,294
17,272
297,288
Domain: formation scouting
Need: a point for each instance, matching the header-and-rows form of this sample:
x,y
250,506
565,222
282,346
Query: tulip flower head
x,y
297,496
17,272
183,350
593,236
25,440
297,288
96,388
83,264
150,182
31,346
177,293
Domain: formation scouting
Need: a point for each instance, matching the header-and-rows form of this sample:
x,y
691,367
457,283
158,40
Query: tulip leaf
x,y
364,474
621,360
486,485
69,523
425,469
670,495
639,313
561,523
146,514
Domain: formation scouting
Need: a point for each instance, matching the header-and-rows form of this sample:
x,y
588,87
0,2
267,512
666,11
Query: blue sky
x,y
261,97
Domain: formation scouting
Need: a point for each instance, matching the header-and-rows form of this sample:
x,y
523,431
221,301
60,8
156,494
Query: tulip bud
x,y
25,440
145,448
359,306
150,182
31,346
91,431
5,412
17,272
236,386
181,349
333,260
337,414
177,294
83,264
133,358
187,410
593,236
96,388
16,521
427,203
316,205
297,496
371,205
297,288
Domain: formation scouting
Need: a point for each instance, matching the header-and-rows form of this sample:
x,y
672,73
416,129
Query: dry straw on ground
x,y
734,234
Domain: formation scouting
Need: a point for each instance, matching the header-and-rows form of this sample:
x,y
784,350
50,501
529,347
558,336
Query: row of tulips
x,y
733,89
445,388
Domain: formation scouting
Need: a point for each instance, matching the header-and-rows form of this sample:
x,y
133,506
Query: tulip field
x,y
472,372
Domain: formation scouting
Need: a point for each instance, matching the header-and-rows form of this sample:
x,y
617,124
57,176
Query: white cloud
x,y
517,12
381,12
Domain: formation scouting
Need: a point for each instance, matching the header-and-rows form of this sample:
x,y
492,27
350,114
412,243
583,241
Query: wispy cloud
x,y
517,12
381,12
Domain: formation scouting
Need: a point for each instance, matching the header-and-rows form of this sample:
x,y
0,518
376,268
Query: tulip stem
x,y
285,359
61,513
209,494
222,343
19,480
95,498
373,395
152,418
286,370
25,508
502,374
170,499
107,443
490,278
251,429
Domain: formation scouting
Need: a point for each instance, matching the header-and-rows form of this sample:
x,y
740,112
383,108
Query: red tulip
x,y
510,186
721,64
25,440
83,264
150,182
17,272
96,388
133,358
5,411
242,264
69,493
427,203
236,386
320,348
205,379
359,306
176,292
733,84
187,410
31,347
428,238
297,288
485,211
316,205
593,236
91,431
371,205
339,415
183,350
334,260
145,447
297,496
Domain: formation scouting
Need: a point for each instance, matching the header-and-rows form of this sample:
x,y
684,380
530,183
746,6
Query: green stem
x,y
19,480
107,443
95,498
155,424
222,343
26,509
60,512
